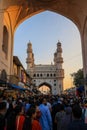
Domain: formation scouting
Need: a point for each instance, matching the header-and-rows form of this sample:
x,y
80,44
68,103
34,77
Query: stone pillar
x,y
84,53
1,39
6,43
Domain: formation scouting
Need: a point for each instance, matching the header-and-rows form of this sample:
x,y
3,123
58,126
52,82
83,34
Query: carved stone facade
x,y
49,75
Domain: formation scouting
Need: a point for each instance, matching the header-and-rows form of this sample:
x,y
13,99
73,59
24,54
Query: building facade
x,y
20,76
51,75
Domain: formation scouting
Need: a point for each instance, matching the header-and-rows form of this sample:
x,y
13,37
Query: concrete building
x,y
49,75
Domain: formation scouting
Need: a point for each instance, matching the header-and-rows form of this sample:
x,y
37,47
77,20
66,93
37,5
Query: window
x,y
34,75
51,75
41,75
54,75
47,75
54,80
37,75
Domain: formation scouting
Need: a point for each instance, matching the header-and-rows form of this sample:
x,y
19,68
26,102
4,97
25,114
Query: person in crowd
x,y
20,116
27,105
67,118
77,123
30,122
59,116
55,109
1,96
49,105
38,113
3,110
16,118
45,119
10,107
85,112
83,107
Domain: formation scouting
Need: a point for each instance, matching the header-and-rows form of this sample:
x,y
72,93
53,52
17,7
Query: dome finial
x,y
29,43
59,43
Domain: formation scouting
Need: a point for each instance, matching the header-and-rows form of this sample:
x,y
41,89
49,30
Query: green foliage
x,y
78,78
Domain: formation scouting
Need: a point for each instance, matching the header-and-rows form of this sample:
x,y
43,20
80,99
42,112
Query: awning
x,y
17,87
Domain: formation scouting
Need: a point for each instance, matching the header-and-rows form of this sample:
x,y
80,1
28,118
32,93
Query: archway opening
x,y
45,88
44,30
3,75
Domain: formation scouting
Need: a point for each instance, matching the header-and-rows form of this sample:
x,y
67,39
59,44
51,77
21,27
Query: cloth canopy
x,y
17,87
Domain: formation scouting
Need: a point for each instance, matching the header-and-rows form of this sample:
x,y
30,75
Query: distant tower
x,y
58,61
30,56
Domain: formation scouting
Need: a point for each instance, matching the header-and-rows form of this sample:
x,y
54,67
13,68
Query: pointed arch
x,y
5,40
3,75
46,84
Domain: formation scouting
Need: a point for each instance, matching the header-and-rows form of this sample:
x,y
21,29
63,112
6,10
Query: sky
x,y
44,30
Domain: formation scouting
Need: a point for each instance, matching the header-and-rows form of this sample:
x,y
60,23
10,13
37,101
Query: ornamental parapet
x,y
59,60
60,73
29,50
29,60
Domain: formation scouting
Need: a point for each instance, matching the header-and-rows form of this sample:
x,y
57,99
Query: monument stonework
x,y
49,75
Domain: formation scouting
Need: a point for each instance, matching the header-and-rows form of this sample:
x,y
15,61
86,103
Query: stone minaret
x,y
30,56
58,61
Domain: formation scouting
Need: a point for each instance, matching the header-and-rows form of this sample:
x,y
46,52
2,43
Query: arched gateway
x,y
51,75
14,12
45,88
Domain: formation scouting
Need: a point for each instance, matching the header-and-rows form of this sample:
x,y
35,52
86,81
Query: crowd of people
x,y
43,112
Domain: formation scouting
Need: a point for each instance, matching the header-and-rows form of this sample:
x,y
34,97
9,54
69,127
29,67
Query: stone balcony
x,y
60,73
13,79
